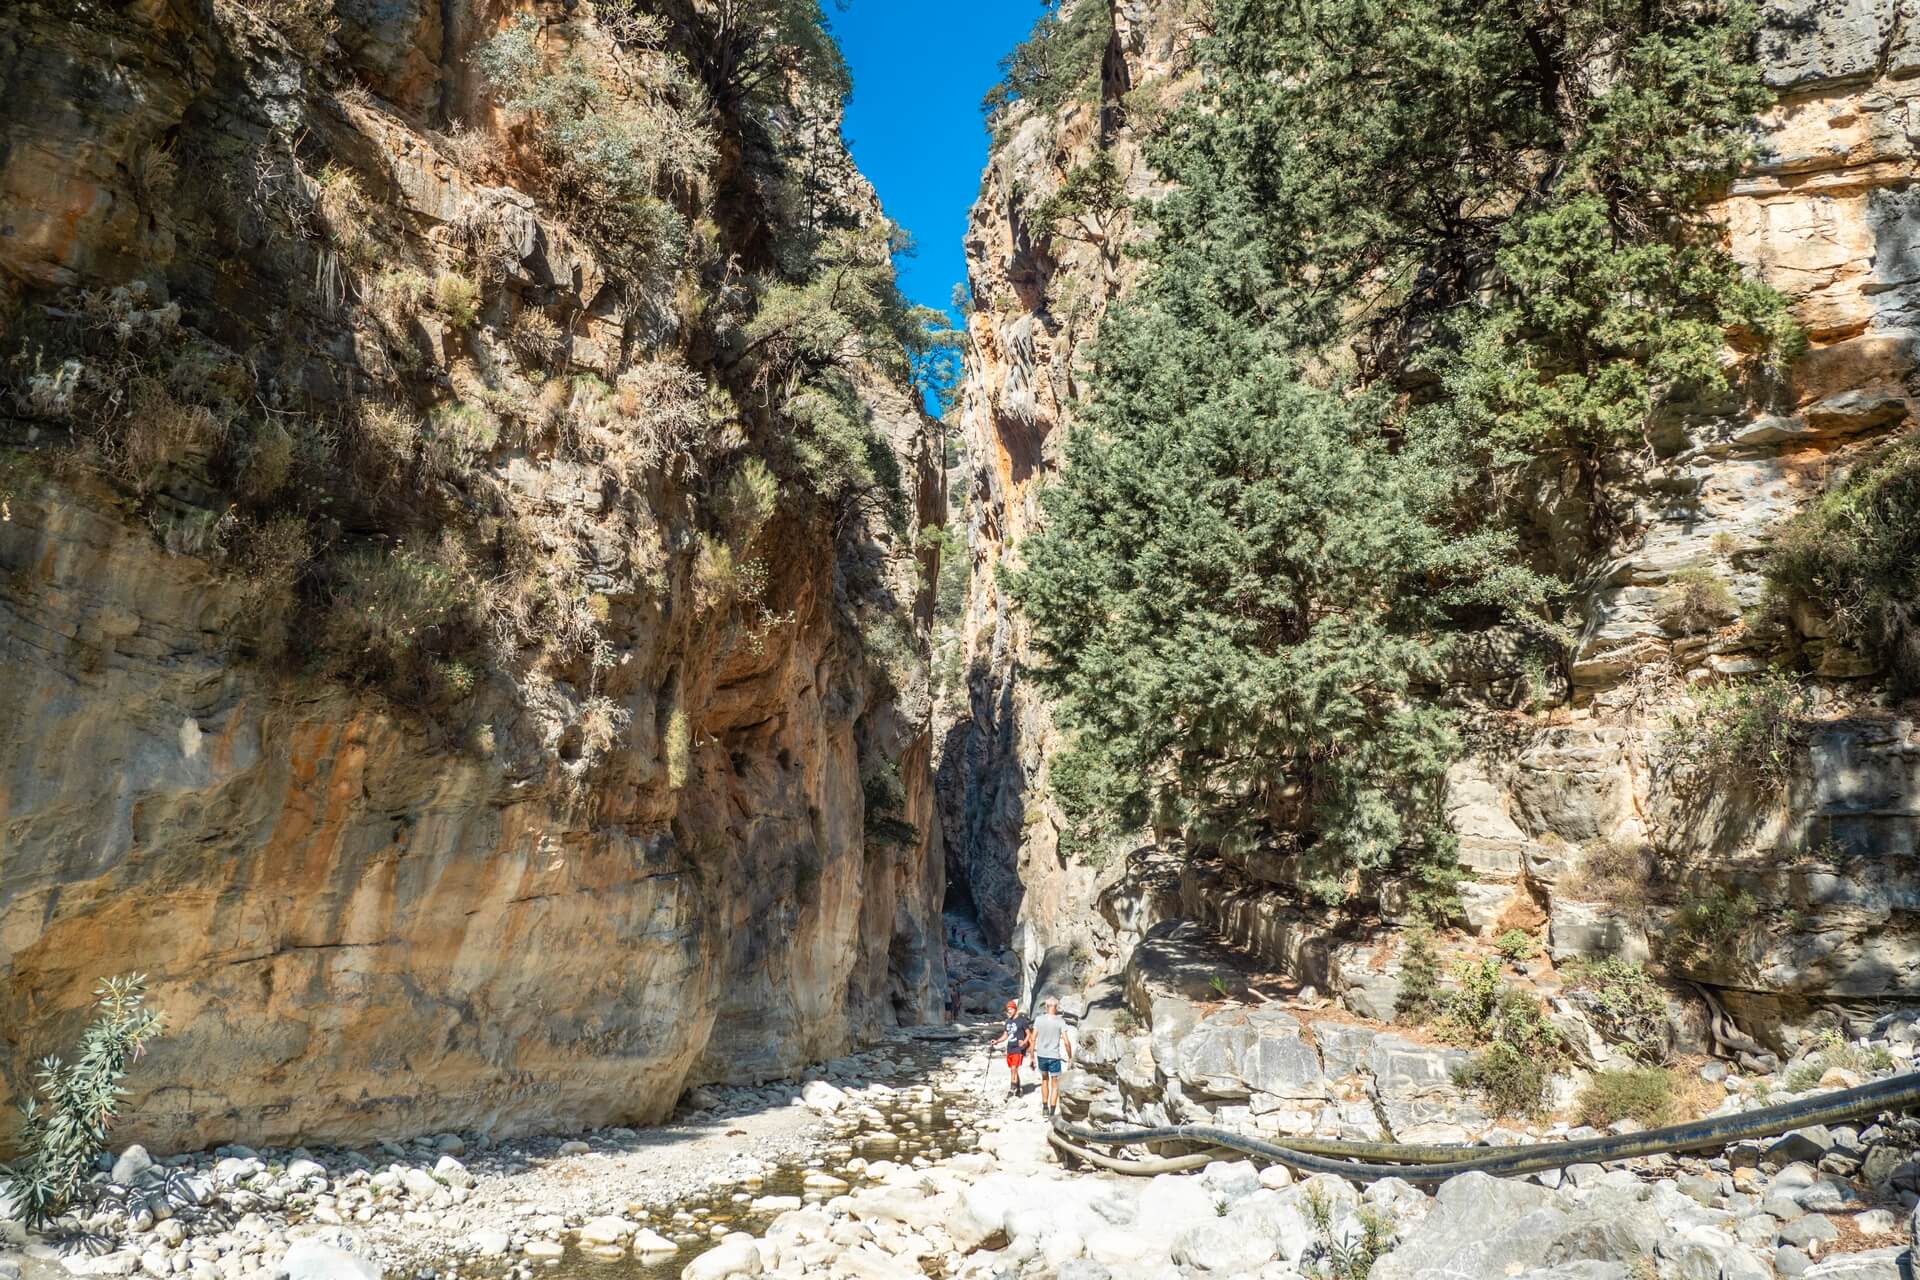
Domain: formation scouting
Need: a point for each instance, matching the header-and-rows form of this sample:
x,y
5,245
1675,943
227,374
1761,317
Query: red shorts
x,y
1013,1060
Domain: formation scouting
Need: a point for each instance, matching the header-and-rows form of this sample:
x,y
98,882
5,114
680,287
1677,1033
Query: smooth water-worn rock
x,y
311,1260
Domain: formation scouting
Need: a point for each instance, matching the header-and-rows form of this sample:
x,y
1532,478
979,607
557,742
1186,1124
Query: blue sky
x,y
920,68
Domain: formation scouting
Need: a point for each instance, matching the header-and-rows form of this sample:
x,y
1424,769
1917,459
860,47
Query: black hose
x,y
1425,1166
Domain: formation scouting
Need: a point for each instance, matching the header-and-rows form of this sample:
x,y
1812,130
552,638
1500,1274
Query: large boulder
x,y
1416,1089
733,1257
1222,1248
133,1165
1479,1226
1239,1052
311,1260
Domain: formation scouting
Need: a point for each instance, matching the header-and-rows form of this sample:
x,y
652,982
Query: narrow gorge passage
x,y
589,587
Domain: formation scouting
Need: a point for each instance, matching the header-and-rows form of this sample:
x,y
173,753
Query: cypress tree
x,y
1410,249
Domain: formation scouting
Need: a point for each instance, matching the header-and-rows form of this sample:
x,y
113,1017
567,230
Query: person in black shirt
x,y
1018,1037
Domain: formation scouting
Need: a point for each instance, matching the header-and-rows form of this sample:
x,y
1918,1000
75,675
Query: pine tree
x,y
1263,548
1234,593
1509,197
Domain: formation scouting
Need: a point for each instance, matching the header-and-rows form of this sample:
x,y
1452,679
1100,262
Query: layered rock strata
x,y
1580,761
696,846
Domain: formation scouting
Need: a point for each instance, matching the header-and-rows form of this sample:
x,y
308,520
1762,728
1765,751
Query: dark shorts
x,y
1049,1066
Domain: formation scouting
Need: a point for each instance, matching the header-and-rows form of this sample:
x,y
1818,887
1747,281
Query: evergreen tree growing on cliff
x,y
1510,197
1261,549
1235,593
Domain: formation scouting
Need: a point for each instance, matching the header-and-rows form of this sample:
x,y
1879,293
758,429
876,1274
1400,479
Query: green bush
x,y
606,153
63,1129
1518,1049
457,298
807,340
1419,997
462,431
1643,1094
750,498
394,617
1749,728
1059,60
1708,920
1346,1259
1517,945
1831,1050
1855,556
1511,1077
1697,599
1627,1008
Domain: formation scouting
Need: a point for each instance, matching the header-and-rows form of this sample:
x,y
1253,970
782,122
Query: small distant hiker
x,y
1018,1037
1051,1044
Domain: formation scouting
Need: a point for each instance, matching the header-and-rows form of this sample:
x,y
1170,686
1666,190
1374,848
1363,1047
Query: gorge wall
x,y
1567,761
1037,298
433,657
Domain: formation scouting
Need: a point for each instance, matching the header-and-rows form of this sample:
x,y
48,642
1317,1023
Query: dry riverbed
x,y
455,1203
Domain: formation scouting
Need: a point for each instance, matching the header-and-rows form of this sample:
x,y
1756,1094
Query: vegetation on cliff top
x,y
1058,61
1262,549
346,454
1855,557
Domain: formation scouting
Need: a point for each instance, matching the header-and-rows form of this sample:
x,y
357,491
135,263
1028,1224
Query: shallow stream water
x,y
907,1129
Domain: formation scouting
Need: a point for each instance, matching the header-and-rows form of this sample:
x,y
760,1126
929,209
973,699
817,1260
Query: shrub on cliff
x,y
1744,729
1626,1006
604,154
1058,60
1511,198
64,1128
1518,1049
809,341
755,55
1644,1095
1855,556
1696,599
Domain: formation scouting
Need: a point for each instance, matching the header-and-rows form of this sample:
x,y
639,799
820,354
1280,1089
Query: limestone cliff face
x,y
668,820
1825,216
1038,295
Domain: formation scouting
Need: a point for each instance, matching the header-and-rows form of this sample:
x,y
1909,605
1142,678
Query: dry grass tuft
x,y
1617,871
457,298
158,433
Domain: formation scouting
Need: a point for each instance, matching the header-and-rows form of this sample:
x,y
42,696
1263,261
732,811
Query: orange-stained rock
x,y
360,922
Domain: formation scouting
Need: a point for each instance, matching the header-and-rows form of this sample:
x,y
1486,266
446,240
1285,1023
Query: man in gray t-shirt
x,y
1051,1044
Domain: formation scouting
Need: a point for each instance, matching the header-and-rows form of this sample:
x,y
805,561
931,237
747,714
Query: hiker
x,y
1018,1037
1051,1043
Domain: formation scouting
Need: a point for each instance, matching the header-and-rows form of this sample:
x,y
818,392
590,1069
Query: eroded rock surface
x,y
696,845
1565,764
